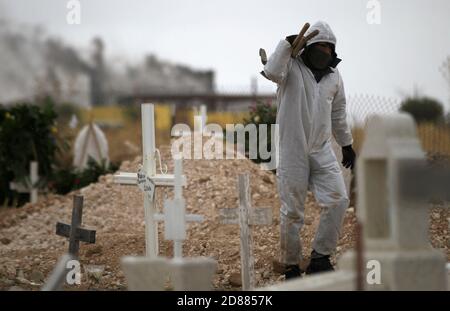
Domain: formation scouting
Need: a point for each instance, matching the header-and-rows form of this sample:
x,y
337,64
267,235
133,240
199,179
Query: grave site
x,y
213,225
225,147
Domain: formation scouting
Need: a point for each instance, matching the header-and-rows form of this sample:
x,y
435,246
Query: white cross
x,y
31,187
245,215
186,274
200,119
175,216
149,168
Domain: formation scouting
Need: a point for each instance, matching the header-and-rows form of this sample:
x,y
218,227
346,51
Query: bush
x,y
261,113
423,109
65,180
27,133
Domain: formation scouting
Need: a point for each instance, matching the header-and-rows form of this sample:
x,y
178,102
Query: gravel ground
x,y
29,247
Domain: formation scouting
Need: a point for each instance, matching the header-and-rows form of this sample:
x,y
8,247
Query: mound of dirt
x,y
29,247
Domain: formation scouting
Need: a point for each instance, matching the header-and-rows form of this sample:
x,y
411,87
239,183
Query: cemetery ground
x,y
29,247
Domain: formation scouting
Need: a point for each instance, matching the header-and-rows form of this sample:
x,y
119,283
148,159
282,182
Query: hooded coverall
x,y
308,113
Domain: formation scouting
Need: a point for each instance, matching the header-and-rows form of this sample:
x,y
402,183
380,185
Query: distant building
x,y
35,66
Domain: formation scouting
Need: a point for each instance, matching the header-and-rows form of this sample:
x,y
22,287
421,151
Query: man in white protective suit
x,y
311,107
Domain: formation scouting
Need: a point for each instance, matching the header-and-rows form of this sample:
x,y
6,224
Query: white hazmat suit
x,y
309,112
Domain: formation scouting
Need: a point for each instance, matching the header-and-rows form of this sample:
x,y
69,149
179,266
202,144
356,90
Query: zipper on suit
x,y
313,115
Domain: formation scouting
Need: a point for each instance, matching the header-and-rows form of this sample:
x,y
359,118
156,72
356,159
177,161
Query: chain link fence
x,y
435,137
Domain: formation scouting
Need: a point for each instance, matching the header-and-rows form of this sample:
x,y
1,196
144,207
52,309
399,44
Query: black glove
x,y
291,39
348,157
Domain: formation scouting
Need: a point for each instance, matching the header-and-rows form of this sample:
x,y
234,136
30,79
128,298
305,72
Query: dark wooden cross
x,y
74,231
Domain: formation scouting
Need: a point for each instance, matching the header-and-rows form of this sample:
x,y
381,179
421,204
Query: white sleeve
x,y
341,130
277,66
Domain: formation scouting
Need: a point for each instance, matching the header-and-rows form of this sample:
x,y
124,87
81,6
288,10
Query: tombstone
x,y
394,223
31,187
90,143
395,226
149,169
74,231
152,274
246,216
146,273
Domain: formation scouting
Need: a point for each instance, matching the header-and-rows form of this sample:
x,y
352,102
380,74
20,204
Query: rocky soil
x,y
29,247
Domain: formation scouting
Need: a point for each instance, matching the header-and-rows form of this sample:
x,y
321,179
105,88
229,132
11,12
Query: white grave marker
x,y
149,168
30,188
245,215
90,143
193,274
200,119
186,274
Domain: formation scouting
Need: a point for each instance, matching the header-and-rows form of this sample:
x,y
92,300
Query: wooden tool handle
x,y
302,42
300,35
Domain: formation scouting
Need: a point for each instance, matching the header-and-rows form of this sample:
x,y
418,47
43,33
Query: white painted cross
x,y
186,274
149,168
200,118
31,187
174,216
245,215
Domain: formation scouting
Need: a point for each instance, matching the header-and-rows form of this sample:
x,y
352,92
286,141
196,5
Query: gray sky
x,y
388,59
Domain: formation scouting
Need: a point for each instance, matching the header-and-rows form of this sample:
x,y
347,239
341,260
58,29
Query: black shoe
x,y
319,263
292,272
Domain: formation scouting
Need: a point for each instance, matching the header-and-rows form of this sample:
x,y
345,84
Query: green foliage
x,y
423,109
27,133
261,113
65,180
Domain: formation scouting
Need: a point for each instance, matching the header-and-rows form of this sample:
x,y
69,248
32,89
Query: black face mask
x,y
318,59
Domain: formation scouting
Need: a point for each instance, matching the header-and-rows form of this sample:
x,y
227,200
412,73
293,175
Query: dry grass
x,y
435,138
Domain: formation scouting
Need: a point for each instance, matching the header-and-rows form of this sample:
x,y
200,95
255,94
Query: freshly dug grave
x,y
29,247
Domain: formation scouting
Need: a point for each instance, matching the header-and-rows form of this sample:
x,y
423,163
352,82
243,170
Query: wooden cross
x,y
74,231
149,168
174,216
30,188
245,215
